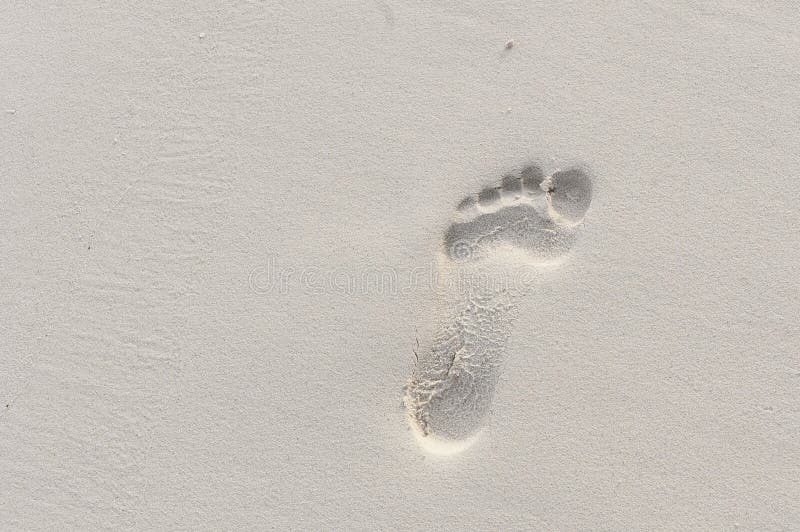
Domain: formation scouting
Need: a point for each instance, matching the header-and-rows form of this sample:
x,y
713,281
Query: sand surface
x,y
217,221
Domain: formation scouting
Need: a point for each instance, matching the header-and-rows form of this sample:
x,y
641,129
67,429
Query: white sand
x,y
159,164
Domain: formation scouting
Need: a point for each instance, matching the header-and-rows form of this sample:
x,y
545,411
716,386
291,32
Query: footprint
x,y
495,236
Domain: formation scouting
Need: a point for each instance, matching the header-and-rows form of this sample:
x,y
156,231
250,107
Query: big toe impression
x,y
570,194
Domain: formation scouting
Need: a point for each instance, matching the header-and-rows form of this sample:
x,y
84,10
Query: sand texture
x,y
399,265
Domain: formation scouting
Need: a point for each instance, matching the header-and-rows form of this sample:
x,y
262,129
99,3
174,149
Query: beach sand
x,y
222,231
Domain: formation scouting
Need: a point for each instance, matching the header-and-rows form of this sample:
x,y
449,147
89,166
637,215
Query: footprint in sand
x,y
529,219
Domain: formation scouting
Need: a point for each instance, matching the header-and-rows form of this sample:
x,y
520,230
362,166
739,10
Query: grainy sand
x,y
221,230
